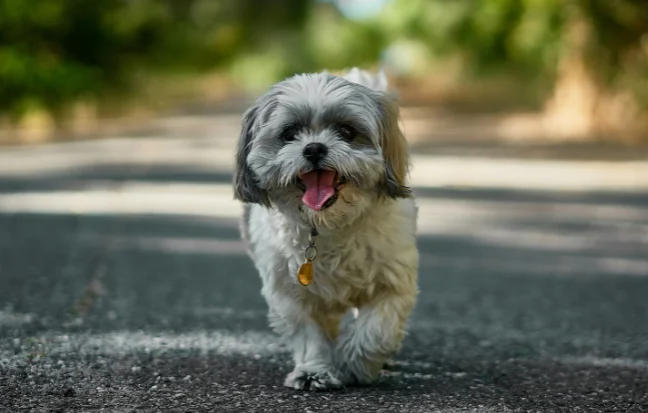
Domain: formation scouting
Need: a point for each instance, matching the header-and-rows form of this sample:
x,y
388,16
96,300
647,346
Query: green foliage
x,y
618,46
55,51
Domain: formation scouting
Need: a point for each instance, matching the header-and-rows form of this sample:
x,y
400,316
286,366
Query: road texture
x,y
124,285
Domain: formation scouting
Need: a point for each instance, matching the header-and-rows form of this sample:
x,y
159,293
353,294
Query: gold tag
x,y
305,273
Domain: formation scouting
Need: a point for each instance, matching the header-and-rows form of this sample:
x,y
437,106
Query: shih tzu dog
x,y
330,223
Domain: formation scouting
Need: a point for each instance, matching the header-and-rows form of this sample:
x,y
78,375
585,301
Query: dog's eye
x,y
346,131
289,134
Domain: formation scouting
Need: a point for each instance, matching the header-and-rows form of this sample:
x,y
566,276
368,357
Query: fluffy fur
x,y
367,259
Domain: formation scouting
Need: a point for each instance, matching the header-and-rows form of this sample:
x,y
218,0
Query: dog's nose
x,y
315,152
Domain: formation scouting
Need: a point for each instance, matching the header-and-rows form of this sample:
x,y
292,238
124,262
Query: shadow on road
x,y
504,319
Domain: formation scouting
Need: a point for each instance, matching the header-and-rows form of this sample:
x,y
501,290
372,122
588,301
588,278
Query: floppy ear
x,y
394,149
246,188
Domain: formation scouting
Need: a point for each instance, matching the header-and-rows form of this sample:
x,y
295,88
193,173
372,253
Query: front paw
x,y
359,371
312,378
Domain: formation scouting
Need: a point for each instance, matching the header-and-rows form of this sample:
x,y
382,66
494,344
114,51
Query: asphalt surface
x,y
124,287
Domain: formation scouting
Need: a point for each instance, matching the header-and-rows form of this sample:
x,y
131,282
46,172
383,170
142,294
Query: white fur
x,y
367,256
377,81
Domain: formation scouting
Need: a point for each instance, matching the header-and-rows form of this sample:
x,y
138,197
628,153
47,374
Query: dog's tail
x,y
377,81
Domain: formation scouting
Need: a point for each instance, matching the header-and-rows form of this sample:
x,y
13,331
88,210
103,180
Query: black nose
x,y
315,152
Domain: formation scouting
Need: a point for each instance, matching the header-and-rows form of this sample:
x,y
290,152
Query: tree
x,y
55,51
592,55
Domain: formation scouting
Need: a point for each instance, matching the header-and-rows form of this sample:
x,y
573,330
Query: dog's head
x,y
321,148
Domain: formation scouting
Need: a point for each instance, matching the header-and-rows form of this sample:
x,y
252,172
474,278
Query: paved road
x,y
124,286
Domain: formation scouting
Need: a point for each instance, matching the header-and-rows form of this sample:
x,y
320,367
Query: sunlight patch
x,y
625,363
254,344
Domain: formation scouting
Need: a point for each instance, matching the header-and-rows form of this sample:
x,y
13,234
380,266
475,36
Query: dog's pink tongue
x,y
319,188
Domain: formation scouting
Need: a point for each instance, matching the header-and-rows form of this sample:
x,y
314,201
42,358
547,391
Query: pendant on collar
x,y
305,273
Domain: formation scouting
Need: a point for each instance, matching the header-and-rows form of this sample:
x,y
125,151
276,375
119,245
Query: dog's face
x,y
321,149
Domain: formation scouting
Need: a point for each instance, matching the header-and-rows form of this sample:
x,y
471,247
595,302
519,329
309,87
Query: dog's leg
x,y
310,341
366,343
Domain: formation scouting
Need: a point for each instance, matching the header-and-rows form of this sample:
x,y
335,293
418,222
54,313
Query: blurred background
x,y
123,278
573,70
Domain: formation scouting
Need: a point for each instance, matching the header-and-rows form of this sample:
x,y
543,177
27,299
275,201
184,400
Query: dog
x,y
330,222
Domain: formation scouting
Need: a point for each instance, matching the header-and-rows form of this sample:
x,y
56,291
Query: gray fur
x,y
367,258
267,166
246,183
244,227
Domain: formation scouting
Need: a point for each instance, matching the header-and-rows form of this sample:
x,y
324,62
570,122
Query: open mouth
x,y
321,188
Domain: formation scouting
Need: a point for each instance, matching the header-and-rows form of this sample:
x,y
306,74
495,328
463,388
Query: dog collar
x,y
305,273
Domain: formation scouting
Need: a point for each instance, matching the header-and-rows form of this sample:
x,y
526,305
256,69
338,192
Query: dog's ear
x,y
394,149
246,187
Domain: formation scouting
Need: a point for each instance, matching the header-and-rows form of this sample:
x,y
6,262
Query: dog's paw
x,y
308,378
359,371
